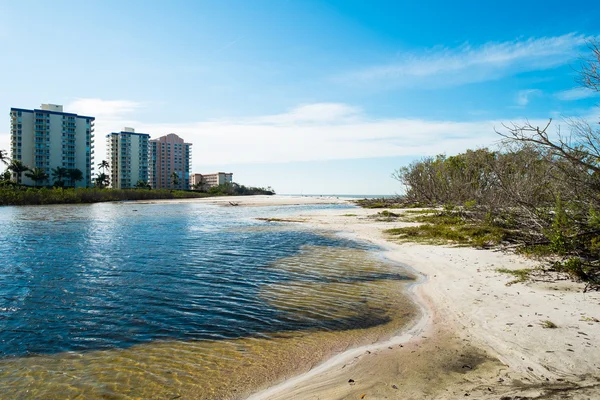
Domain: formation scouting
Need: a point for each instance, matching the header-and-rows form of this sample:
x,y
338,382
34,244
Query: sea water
x,y
130,300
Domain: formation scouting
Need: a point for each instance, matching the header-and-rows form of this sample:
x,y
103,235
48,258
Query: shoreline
x,y
466,307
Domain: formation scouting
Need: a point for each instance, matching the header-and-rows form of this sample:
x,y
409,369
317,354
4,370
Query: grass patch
x,y
349,215
445,228
521,275
381,205
396,202
425,211
386,213
539,250
547,324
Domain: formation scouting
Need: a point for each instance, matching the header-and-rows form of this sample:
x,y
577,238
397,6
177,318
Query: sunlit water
x,y
125,300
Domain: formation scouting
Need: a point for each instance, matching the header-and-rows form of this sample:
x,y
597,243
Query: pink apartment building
x,y
167,155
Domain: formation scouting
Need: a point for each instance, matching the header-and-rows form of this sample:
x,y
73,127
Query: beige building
x,y
127,155
167,155
48,138
210,180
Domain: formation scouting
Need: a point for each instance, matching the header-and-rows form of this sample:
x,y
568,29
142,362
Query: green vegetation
x,y
539,191
64,179
521,275
445,228
234,189
396,202
348,215
33,196
548,324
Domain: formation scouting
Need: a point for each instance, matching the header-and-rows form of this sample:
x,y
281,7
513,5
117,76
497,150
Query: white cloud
x,y
524,96
314,113
442,66
322,131
102,109
576,94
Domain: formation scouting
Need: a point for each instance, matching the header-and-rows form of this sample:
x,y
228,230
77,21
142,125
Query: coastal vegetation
x,y
538,192
62,190
37,196
235,189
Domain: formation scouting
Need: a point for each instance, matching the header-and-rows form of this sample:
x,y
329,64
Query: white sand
x,y
255,201
467,300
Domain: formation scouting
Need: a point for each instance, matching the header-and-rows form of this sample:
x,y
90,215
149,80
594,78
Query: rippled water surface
x,y
125,300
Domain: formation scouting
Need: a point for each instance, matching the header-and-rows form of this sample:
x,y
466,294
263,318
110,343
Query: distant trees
x,y
234,189
37,175
175,179
4,157
17,168
102,180
103,165
200,184
141,184
74,175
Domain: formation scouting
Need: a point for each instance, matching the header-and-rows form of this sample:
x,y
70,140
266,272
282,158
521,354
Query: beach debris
x,y
363,396
394,387
467,366
351,381
231,203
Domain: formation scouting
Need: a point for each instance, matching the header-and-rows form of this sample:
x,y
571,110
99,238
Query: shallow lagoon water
x,y
125,300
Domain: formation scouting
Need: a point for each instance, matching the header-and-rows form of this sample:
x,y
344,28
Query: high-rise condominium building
x,y
169,158
127,154
48,138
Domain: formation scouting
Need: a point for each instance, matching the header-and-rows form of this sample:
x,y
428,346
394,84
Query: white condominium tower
x,y
48,138
127,154
170,162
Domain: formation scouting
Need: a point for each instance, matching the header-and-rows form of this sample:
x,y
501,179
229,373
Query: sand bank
x,y
478,337
255,201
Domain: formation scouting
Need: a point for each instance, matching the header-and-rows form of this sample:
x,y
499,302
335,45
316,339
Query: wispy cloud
x,y
576,94
443,66
524,96
310,132
103,109
230,43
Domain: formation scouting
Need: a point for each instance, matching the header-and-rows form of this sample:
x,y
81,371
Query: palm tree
x,y
4,157
17,167
102,181
141,184
37,175
74,175
5,176
200,184
174,179
59,174
104,164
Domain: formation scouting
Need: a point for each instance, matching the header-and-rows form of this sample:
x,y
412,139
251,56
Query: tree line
x,y
542,184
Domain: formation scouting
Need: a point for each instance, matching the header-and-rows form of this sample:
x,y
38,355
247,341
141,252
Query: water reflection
x,y
173,296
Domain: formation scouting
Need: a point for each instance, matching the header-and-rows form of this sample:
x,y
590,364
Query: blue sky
x,y
305,96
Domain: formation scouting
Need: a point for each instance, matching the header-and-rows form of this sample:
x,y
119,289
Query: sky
x,y
306,96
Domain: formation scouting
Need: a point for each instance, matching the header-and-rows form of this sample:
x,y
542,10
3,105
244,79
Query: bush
x,y
39,196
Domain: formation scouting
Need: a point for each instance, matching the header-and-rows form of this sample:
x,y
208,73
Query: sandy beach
x,y
478,336
255,201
